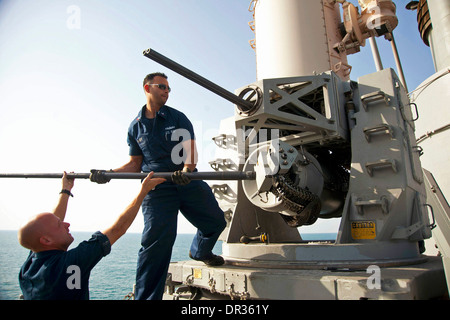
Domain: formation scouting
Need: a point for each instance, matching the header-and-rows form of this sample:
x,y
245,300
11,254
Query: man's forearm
x,y
61,208
125,219
191,154
127,168
134,165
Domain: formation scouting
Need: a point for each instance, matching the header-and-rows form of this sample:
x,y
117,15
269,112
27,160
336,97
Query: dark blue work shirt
x,y
159,140
62,275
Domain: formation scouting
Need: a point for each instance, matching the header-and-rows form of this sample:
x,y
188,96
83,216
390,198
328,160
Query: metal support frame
x,y
305,109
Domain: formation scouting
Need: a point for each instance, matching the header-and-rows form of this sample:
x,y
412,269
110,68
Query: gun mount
x,y
321,146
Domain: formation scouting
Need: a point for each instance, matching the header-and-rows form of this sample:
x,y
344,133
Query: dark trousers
x,y
160,209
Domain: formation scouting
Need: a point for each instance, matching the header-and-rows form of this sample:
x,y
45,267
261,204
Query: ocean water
x,y
114,275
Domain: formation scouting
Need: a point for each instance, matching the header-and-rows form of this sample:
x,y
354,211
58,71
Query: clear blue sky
x,y
70,85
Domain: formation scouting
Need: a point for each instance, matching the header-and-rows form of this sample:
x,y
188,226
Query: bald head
x,y
45,232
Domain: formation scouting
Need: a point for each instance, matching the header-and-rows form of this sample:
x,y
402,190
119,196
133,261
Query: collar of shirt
x,y
162,112
44,254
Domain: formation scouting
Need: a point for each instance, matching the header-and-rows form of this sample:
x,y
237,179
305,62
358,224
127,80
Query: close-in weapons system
x,y
322,147
307,143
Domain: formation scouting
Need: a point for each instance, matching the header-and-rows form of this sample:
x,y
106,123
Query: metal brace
x,y
220,163
237,295
223,191
212,285
224,140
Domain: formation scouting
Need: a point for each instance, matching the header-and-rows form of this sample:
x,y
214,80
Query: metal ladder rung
x,y
381,164
379,128
374,97
383,203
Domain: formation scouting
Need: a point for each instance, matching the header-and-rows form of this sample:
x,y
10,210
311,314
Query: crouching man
x,y
51,271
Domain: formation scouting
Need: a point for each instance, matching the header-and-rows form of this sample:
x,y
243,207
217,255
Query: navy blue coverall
x,y
158,140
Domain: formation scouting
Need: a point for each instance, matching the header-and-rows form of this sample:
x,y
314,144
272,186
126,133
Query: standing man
x,y
161,139
51,272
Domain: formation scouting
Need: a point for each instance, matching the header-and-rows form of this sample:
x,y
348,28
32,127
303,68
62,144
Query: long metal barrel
x,y
211,86
225,175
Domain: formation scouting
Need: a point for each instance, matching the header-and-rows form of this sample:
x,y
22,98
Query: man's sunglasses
x,y
161,86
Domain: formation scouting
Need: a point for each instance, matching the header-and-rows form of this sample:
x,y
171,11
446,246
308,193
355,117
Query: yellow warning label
x,y
363,230
197,273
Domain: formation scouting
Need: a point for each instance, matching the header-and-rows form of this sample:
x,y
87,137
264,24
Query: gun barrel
x,y
220,175
225,175
211,86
